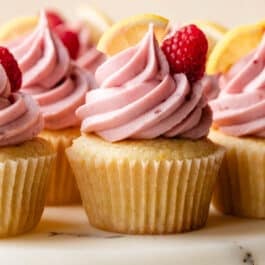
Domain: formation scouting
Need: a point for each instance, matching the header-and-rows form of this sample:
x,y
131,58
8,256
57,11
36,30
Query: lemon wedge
x,y
17,27
128,32
235,44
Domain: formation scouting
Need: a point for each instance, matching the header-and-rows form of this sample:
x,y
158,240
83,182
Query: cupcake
x,y
59,86
25,160
79,36
143,164
239,125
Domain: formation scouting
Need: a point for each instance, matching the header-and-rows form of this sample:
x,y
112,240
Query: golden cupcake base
x,y
62,188
140,196
240,189
23,185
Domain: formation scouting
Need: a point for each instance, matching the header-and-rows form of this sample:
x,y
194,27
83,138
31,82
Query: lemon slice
x,y
235,44
213,31
17,27
128,32
97,21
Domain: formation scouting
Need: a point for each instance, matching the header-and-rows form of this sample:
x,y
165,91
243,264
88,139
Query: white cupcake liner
x,y
23,187
146,197
240,190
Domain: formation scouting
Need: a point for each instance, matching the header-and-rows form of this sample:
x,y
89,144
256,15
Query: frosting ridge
x,y
89,58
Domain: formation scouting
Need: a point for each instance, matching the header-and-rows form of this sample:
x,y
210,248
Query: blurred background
x,y
228,12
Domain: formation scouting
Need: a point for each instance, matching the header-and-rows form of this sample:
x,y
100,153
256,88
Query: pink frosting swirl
x,y
240,108
50,76
20,116
89,57
138,98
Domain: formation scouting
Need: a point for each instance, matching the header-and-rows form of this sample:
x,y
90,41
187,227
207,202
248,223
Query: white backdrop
x,y
229,12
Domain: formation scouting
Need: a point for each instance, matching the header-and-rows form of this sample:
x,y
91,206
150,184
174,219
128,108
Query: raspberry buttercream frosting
x,y
240,108
49,75
89,57
20,115
139,98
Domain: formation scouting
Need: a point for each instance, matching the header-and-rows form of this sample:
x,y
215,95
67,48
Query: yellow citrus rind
x,y
128,32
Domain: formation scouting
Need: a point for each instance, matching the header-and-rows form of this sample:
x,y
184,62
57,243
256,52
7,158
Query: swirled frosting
x,y
139,98
240,108
50,76
20,116
89,57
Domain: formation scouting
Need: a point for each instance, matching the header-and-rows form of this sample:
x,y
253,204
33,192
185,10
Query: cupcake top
x,y
143,93
20,115
239,109
50,76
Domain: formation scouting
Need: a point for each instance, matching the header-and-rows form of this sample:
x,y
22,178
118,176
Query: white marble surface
x,y
65,237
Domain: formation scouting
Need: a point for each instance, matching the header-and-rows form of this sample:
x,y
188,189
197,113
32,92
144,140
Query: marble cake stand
x,y
64,237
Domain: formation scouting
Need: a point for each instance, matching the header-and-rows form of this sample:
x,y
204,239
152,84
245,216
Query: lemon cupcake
x,y
25,161
239,125
79,36
148,168
59,86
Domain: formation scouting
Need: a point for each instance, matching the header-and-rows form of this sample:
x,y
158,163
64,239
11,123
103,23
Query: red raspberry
x,y
186,52
69,39
54,18
12,69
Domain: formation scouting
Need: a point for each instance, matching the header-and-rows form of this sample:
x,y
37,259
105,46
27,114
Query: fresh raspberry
x,y
186,52
12,69
54,18
69,39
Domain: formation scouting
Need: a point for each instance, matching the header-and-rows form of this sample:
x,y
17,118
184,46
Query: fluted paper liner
x,y
62,188
240,189
146,197
23,186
